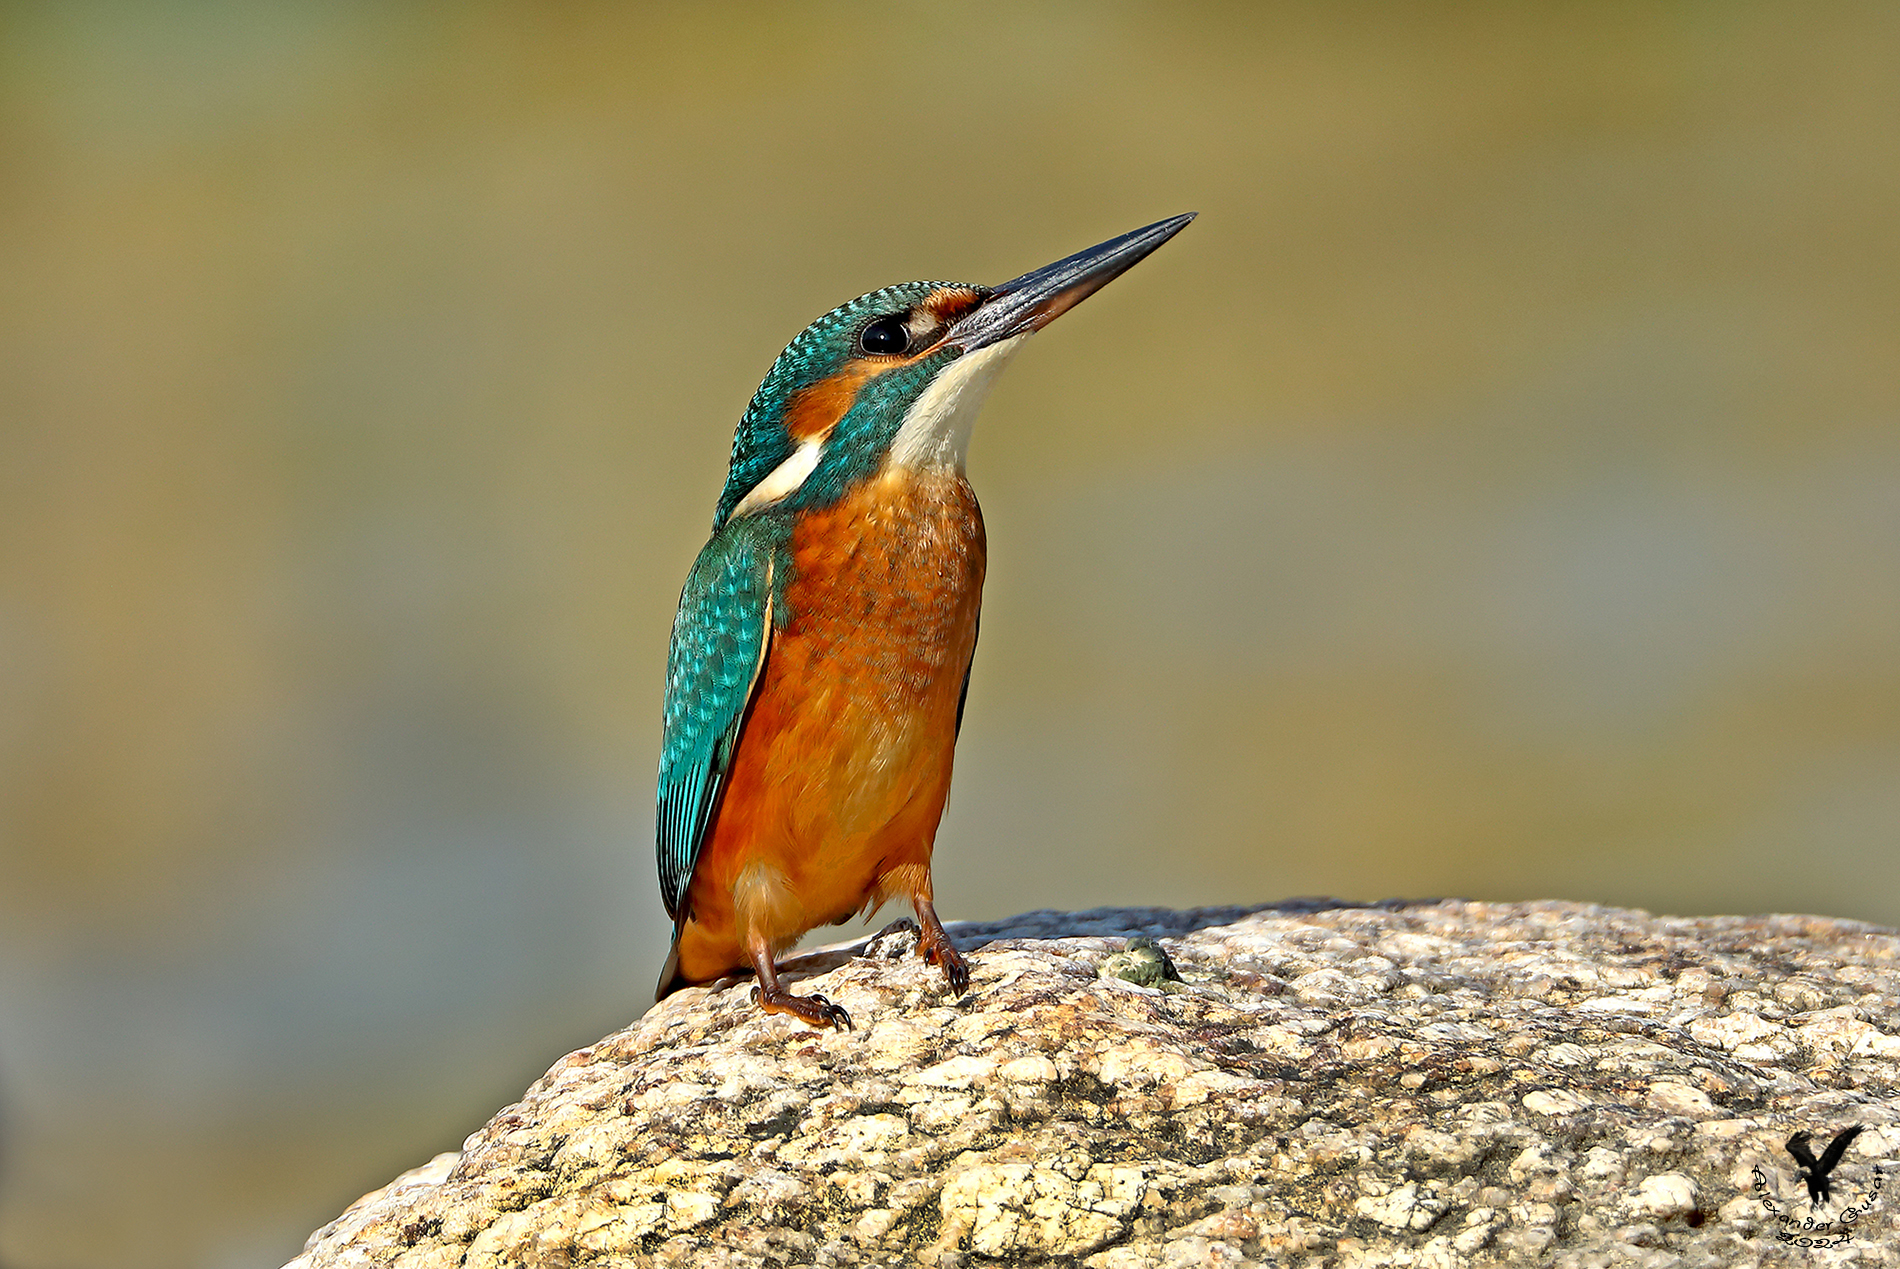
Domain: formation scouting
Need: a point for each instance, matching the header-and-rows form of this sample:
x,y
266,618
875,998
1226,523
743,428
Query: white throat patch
x,y
783,481
935,433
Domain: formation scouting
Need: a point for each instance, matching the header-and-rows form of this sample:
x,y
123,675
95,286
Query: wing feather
x,y
963,693
1838,1147
720,640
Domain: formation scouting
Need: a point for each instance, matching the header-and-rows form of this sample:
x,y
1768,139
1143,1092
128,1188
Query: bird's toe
x,y
815,1011
955,968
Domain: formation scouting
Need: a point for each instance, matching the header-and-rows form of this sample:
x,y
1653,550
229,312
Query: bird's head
x,y
897,376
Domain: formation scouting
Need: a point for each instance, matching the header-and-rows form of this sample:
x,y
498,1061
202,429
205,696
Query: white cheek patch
x,y
935,433
922,324
784,480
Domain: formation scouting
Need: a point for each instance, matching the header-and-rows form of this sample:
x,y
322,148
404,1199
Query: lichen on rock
x,y
1429,1084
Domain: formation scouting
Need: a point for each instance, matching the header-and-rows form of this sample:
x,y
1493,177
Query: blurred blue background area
x,y
1495,493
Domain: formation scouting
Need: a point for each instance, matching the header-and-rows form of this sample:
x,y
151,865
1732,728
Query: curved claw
x,y
936,948
941,951
814,1010
834,1014
956,969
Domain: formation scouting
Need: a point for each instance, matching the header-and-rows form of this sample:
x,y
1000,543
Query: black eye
x,y
885,335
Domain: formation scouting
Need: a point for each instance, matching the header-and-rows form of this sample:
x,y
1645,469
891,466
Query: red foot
x,y
813,1010
937,949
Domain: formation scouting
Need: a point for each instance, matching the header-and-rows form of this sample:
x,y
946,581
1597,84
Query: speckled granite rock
x,y
1404,1084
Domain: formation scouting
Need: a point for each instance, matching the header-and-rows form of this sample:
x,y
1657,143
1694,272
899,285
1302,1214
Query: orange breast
x,y
844,763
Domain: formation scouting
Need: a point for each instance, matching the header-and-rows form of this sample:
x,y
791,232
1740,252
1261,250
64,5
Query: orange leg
x,y
935,947
773,998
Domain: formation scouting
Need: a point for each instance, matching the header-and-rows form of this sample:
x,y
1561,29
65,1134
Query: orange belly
x,y
833,798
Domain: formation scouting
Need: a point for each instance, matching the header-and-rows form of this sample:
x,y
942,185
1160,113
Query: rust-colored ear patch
x,y
951,303
814,411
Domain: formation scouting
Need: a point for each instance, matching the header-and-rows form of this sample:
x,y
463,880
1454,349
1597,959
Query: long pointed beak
x,y
1038,297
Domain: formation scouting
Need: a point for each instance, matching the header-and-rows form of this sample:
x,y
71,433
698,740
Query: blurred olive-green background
x,y
1496,492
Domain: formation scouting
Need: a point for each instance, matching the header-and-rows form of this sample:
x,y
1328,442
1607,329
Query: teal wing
x,y
719,647
963,693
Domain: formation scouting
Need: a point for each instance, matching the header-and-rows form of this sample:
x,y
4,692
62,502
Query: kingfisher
x,y
820,658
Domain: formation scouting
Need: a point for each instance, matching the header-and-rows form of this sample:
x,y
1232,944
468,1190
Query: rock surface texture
x,y
1325,1084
